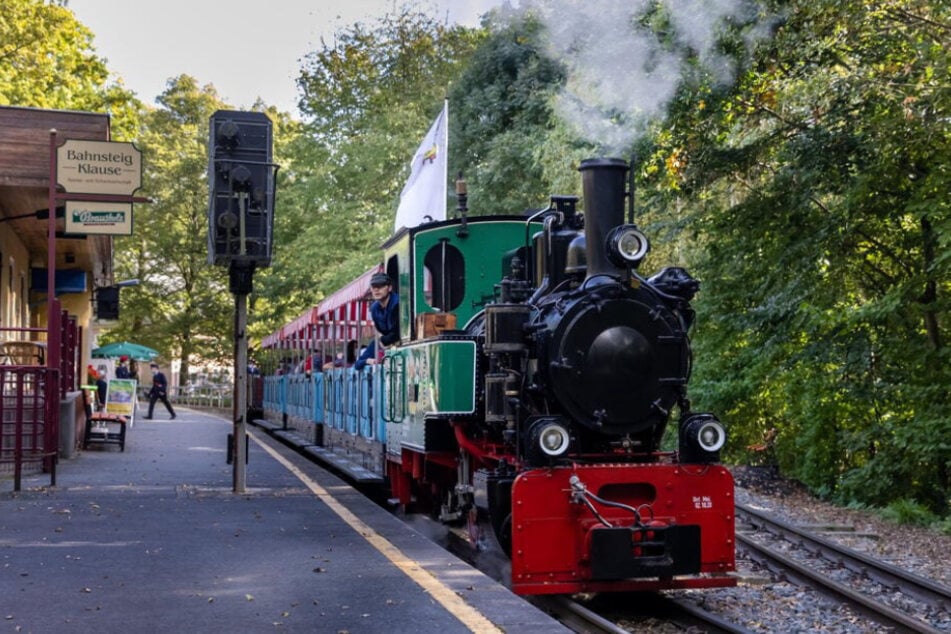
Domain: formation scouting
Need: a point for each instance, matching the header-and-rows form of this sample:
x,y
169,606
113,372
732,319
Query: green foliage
x,y
817,190
904,511
182,306
47,61
503,120
943,526
368,98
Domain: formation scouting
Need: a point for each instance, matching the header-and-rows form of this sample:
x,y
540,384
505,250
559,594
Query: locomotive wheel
x,y
503,535
475,527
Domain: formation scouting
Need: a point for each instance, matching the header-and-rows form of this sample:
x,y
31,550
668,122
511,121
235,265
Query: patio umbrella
x,y
124,348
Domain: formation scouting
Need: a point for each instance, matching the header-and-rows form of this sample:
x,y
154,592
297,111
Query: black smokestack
x,y
603,181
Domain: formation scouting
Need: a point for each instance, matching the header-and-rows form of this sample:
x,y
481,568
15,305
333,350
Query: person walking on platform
x,y
159,391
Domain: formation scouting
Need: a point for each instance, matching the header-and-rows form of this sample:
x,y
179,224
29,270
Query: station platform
x,y
153,539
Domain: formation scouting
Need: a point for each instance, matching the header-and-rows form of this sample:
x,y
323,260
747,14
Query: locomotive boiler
x,y
529,395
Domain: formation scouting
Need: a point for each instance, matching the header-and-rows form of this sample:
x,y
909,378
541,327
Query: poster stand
x,y
109,425
121,398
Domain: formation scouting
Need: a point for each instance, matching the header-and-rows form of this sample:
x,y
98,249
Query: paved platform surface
x,y
153,539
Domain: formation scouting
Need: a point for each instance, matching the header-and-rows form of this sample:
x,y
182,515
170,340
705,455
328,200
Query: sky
x,y
245,48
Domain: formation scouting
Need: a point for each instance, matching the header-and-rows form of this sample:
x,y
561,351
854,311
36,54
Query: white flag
x,y
423,198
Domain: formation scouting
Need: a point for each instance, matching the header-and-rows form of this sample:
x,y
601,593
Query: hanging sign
x,y
99,167
99,218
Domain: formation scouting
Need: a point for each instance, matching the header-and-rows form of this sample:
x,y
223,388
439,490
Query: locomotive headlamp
x,y
546,438
711,436
627,246
553,440
701,438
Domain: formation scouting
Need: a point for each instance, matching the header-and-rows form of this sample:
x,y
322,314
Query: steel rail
x,y
873,608
923,589
684,613
575,616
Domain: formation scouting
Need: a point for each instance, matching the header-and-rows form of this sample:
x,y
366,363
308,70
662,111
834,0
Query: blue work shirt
x,y
387,322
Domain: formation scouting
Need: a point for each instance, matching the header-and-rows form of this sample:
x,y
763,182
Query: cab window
x,y
444,276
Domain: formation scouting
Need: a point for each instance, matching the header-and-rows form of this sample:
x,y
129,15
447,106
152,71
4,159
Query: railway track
x,y
921,601
920,597
608,616
575,616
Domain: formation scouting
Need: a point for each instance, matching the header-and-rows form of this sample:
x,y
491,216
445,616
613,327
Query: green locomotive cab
x,y
445,274
449,270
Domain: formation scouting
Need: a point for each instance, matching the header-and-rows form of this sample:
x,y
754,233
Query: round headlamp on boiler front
x,y
627,246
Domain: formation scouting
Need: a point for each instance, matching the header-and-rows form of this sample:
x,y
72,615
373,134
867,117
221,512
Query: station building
x,y
43,356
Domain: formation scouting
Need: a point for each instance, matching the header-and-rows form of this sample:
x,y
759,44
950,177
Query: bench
x,y
103,427
31,353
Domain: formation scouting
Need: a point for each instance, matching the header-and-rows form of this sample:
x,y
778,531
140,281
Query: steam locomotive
x,y
528,396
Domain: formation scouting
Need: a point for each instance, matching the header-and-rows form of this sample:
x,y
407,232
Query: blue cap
x,y
380,279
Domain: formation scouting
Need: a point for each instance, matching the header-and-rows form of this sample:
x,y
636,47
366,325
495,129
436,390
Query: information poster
x,y
120,397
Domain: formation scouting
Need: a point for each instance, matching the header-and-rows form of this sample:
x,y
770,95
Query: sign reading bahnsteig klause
x,y
109,171
99,167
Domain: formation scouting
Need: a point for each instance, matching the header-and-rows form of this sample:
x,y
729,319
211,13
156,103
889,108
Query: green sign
x,y
99,218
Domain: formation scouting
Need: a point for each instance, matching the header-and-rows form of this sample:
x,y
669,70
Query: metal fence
x,y
218,396
29,418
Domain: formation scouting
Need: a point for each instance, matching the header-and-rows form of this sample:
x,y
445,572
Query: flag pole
x,y
445,165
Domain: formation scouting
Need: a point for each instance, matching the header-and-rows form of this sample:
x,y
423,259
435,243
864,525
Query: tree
x,y
182,306
807,192
368,98
47,61
817,187
504,133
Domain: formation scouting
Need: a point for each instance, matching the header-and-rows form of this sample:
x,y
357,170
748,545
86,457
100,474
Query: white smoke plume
x,y
621,73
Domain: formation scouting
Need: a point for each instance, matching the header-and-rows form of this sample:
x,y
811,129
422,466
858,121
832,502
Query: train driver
x,y
385,313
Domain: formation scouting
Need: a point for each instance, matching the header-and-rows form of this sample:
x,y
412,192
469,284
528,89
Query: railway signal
x,y
241,178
